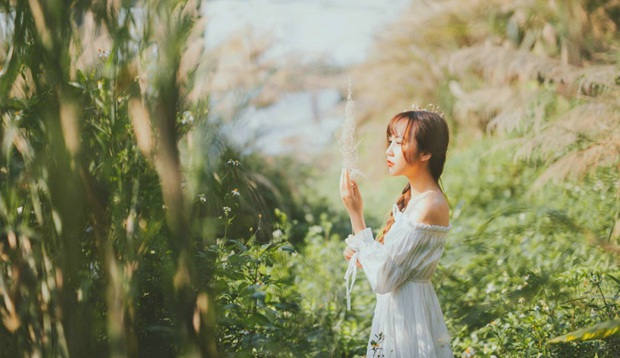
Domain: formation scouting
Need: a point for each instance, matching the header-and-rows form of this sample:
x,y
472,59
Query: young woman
x,y
408,321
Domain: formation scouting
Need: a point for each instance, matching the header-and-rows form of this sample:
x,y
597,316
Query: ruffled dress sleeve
x,y
410,252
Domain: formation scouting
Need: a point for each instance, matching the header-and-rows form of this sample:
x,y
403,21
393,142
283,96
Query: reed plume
x,y
348,144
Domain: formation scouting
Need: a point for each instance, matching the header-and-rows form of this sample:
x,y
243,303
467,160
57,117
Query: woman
x,y
408,321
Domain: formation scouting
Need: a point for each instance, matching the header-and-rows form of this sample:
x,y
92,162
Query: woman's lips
x,y
389,163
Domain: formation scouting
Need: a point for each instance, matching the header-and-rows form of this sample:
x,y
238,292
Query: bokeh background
x,y
169,172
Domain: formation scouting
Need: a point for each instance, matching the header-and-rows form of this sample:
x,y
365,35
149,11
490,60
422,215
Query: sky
x,y
338,31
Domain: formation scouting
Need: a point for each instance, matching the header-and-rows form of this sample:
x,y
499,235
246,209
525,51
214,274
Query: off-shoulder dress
x,y
408,321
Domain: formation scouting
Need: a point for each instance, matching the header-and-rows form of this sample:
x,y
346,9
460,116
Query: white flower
x,y
20,210
490,288
235,192
103,54
277,234
187,117
468,352
234,163
227,210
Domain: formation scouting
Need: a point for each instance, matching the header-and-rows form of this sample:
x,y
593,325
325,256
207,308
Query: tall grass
x,y
90,158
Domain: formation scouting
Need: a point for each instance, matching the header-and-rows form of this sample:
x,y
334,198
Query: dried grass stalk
x,y
348,144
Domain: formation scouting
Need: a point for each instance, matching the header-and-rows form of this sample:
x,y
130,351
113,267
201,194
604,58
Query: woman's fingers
x,y
343,184
345,190
347,178
348,253
354,188
350,194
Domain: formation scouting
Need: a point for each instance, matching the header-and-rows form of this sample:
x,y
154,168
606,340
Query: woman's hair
x,y
430,131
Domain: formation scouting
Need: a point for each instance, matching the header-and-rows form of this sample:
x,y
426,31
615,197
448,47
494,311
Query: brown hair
x,y
430,131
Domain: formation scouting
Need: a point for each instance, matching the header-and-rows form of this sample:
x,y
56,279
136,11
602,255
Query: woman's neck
x,y
421,183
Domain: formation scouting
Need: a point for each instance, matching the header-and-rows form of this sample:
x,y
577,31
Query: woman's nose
x,y
389,151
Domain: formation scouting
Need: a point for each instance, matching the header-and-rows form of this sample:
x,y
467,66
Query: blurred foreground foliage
x,y
132,226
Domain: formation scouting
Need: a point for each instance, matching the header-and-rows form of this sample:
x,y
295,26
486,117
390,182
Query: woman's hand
x,y
348,253
350,194
352,200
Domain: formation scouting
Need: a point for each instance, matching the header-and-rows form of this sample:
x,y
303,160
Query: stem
x,y
598,286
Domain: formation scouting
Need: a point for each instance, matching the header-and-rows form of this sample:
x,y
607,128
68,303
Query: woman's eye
x,y
394,140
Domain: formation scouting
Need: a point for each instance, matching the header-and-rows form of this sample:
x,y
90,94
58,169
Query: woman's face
x,y
396,162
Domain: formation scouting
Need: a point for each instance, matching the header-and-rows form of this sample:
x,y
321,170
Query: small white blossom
x,y
103,54
468,352
20,210
277,234
490,288
227,210
187,117
234,163
235,192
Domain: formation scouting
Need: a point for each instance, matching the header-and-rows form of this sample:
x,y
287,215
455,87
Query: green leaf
x,y
598,331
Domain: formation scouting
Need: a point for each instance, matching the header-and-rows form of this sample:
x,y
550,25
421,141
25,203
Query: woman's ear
x,y
425,157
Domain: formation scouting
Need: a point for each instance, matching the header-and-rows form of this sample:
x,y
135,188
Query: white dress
x,y
408,321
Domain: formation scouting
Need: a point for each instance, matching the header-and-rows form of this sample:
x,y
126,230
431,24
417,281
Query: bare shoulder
x,y
432,209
